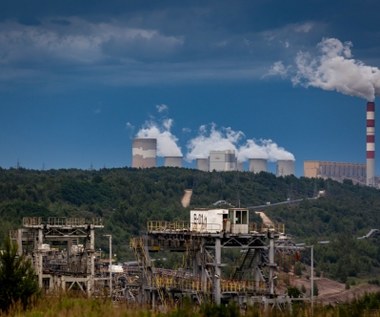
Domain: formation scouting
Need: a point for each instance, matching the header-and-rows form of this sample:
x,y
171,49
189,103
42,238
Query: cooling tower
x,y
285,167
222,161
202,164
370,146
144,153
173,161
257,165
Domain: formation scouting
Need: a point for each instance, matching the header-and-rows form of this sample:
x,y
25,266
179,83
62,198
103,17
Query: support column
x,y
39,262
91,262
217,271
272,265
203,267
19,241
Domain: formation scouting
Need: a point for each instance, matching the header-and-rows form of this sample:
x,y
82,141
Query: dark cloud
x,y
178,39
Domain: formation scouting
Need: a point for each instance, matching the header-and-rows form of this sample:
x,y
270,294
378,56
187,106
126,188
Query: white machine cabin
x,y
232,220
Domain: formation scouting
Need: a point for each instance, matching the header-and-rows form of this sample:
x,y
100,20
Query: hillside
x,y
126,198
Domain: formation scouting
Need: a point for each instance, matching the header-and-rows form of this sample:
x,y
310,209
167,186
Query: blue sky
x,y
79,79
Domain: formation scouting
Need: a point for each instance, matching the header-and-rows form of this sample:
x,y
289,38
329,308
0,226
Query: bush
x,y
17,278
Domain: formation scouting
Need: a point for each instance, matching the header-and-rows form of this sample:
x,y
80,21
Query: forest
x,y
126,198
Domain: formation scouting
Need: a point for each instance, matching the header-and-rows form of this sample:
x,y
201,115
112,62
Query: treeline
x,y
126,198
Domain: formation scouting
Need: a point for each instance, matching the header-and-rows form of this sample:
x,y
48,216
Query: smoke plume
x,y
263,149
333,69
213,139
166,141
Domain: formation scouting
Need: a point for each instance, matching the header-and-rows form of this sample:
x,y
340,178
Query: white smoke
x,y
227,139
213,140
166,141
334,69
263,149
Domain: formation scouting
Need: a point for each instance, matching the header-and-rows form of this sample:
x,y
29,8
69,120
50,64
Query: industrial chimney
x,y
370,144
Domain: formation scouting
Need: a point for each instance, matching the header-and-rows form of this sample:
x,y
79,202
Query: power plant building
x,y
222,161
257,165
335,170
144,153
173,161
285,168
202,164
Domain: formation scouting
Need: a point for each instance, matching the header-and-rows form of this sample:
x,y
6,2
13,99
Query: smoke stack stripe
x,y
370,146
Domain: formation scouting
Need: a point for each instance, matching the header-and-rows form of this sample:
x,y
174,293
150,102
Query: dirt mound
x,y
346,295
332,292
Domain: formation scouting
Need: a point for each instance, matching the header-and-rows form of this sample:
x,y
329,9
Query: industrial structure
x,y
202,164
203,241
173,161
338,171
370,145
144,153
223,161
257,165
285,168
62,251
65,258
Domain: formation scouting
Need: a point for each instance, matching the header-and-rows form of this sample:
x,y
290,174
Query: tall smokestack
x,y
370,144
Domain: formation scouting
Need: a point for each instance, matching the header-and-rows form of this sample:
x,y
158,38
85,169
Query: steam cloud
x,y
210,138
333,69
166,141
227,139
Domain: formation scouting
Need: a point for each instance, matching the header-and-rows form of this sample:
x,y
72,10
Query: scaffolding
x,y
62,251
252,280
64,256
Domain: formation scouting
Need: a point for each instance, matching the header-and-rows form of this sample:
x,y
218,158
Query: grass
x,y
74,306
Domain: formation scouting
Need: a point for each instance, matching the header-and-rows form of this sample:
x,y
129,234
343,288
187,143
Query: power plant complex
x,y
359,173
144,155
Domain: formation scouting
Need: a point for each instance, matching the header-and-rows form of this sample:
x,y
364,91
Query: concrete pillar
x,y
272,265
91,262
217,271
39,263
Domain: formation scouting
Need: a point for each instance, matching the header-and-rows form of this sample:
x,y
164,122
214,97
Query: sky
x,y
280,79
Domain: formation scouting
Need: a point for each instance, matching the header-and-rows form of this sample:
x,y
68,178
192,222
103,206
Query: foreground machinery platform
x,y
202,241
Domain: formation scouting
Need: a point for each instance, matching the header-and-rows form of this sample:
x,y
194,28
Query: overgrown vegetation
x,y
126,198
368,305
18,282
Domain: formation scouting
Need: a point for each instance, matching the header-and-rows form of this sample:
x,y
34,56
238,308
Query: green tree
x,y
17,278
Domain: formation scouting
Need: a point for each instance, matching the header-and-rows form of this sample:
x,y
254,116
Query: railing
x,y
194,284
60,221
168,226
31,221
277,227
181,226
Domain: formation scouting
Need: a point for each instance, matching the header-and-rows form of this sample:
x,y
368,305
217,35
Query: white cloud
x,y
278,69
80,41
304,27
162,107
